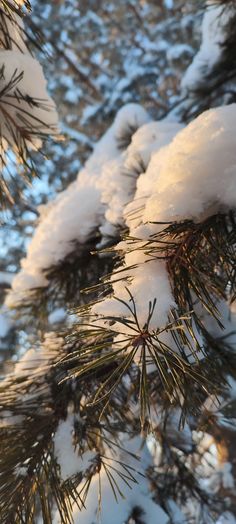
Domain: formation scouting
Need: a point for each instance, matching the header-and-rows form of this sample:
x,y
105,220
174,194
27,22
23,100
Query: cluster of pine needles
x,y
115,386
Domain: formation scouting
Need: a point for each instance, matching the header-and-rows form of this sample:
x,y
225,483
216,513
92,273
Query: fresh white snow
x,y
76,213
69,456
18,70
190,174
214,33
191,178
112,510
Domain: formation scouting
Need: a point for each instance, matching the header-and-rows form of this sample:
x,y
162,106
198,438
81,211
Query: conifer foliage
x,y
123,403
28,114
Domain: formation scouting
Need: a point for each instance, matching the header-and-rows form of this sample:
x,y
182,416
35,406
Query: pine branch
x,y
29,473
106,363
83,266
16,6
32,407
21,128
201,263
16,32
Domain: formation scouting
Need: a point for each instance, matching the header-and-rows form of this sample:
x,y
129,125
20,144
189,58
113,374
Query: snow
x,y
117,512
8,419
219,476
58,315
166,173
17,3
227,476
122,173
150,137
14,27
194,176
6,277
214,31
40,116
5,322
149,281
70,459
76,213
191,178
227,317
170,426
169,4
226,518
177,517
190,174
178,51
36,359
212,473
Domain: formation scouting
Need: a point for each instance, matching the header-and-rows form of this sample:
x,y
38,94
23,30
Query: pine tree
x,y
126,400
